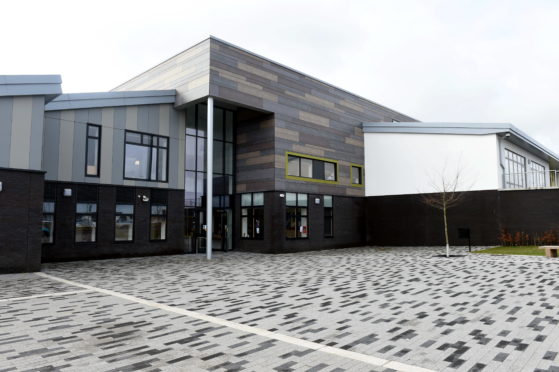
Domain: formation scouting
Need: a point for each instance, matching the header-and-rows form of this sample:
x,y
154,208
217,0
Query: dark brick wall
x,y
405,220
65,248
349,225
21,203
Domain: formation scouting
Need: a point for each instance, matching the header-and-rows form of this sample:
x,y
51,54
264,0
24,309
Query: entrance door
x,y
222,229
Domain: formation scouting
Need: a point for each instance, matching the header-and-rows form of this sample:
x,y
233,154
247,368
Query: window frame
x,y
77,214
87,138
511,178
151,215
330,217
150,147
125,214
53,214
251,215
298,216
361,175
289,154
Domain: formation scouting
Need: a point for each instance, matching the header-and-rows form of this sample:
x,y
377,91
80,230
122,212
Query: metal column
x,y
209,178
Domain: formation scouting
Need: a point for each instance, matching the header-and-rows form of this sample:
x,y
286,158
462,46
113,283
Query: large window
x,y
158,215
124,215
307,167
92,153
252,215
356,175
146,157
195,176
328,217
515,176
296,225
48,222
537,174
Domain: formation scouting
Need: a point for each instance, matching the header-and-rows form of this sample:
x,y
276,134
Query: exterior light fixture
x,y
282,195
67,192
143,198
317,201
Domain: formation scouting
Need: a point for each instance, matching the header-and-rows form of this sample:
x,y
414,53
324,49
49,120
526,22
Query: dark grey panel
x,y
37,125
51,143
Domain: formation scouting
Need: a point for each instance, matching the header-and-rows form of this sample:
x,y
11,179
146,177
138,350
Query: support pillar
x,y
209,177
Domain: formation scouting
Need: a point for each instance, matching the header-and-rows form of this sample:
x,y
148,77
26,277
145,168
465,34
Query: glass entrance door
x,y
222,229
195,230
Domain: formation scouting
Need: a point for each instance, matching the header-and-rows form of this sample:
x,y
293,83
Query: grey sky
x,y
475,61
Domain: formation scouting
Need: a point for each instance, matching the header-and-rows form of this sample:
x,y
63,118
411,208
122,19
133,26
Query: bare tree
x,y
446,196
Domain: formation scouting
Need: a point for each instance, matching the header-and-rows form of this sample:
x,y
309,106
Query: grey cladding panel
x,y
6,104
51,143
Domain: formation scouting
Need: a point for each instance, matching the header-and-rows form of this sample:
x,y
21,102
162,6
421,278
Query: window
x,y
124,214
328,217
321,170
537,174
252,215
86,222
158,215
48,222
146,157
515,176
296,216
357,175
86,214
92,153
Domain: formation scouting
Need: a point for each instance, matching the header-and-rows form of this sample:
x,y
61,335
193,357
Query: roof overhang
x,y
76,101
31,85
505,130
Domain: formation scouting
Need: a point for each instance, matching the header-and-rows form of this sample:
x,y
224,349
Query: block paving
x,y
470,313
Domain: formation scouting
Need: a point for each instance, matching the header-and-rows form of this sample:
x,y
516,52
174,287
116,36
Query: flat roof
x,y
31,85
516,135
74,101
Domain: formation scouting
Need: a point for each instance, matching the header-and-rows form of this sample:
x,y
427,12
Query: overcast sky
x,y
470,61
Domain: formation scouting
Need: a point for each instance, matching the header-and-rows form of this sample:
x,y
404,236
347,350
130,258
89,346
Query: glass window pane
x,y
163,142
124,228
201,155
47,229
133,137
48,207
291,223
218,123
191,121
218,157
303,229
229,126
303,211
291,199
229,158
86,226
229,185
159,210
328,228
327,201
146,139
162,165
92,166
293,166
258,199
124,209
86,208
244,228
329,171
136,161
153,175
258,222
190,153
356,175
158,228
306,168
200,187
201,120
246,200
189,188
93,131
302,200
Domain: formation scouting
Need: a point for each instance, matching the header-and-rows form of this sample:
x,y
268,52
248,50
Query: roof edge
x,y
74,101
31,85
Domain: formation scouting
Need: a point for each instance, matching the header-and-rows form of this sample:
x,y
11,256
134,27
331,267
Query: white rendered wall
x,y
402,163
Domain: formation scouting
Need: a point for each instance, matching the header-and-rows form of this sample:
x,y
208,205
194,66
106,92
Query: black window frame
x,y
252,213
152,215
298,209
98,138
80,214
328,215
118,214
151,147
318,168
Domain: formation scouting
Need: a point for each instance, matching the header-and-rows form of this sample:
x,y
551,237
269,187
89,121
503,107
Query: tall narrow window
x,y
515,176
328,217
86,214
124,214
48,222
252,215
92,153
296,216
158,215
146,157
356,175
537,175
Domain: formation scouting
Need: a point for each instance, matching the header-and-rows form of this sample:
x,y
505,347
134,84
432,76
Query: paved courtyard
x,y
362,309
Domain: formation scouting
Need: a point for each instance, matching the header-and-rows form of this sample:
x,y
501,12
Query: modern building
x,y
281,157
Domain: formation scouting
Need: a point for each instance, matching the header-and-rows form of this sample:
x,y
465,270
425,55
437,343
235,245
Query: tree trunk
x,y
446,230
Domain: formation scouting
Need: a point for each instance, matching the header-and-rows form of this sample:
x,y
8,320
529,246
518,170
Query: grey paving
x,y
470,313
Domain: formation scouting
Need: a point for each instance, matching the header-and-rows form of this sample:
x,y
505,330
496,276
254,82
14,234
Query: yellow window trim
x,y
297,178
